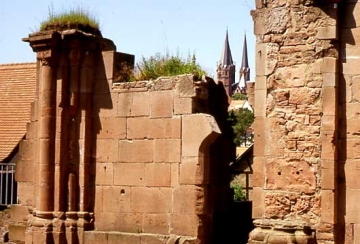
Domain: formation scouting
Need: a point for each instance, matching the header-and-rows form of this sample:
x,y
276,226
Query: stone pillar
x,y
64,201
47,54
295,126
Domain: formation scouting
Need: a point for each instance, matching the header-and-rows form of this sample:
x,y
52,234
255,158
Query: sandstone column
x,y
64,201
295,159
46,48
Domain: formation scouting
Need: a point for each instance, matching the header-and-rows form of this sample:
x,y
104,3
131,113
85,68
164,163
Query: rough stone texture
x,y
296,120
140,162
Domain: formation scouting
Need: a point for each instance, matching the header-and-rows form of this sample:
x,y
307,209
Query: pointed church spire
x,y
226,58
244,63
244,69
226,67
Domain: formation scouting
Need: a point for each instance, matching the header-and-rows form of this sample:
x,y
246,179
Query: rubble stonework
x,y
107,162
305,133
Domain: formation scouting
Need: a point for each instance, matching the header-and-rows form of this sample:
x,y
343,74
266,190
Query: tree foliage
x,y
239,193
241,119
238,96
166,65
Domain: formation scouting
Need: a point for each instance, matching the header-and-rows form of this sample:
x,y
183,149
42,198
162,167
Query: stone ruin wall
x,y
349,105
295,110
306,122
107,162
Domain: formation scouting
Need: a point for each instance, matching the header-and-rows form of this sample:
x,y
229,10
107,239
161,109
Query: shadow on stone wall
x,y
346,22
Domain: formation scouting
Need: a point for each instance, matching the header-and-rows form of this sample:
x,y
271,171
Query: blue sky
x,y
142,27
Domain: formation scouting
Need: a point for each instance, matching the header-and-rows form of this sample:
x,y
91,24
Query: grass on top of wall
x,y
69,19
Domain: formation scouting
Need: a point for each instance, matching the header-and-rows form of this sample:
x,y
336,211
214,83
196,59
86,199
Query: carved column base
x,y
279,232
40,228
59,228
71,227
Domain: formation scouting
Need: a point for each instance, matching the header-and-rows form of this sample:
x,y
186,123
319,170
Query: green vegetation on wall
x,y
166,65
238,96
74,17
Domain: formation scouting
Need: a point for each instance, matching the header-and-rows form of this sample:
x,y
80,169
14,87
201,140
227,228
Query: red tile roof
x,y
17,91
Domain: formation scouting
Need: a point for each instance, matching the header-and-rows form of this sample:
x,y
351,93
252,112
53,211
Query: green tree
x,y
166,65
241,119
238,96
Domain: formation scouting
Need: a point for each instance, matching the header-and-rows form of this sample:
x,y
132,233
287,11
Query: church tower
x,y
226,67
244,73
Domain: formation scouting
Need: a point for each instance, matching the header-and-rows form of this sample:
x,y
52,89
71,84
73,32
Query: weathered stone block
x,y
260,83
124,238
17,232
296,176
355,87
151,200
182,105
191,172
329,123
258,202
356,233
133,104
328,211
330,79
351,66
195,129
352,170
161,104
19,213
328,174
104,174
350,36
185,224
139,128
330,65
106,150
328,148
167,150
31,130
266,56
259,127
110,127
184,86
143,127
353,149
136,151
304,95
175,175
129,174
156,223
98,199
258,166
26,192
95,237
352,110
188,200
128,222
105,105
105,221
158,174
117,199
24,171
260,103
34,113
108,62
329,101
327,33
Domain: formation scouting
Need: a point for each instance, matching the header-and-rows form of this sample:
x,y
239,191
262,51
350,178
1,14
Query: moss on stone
x,y
74,19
